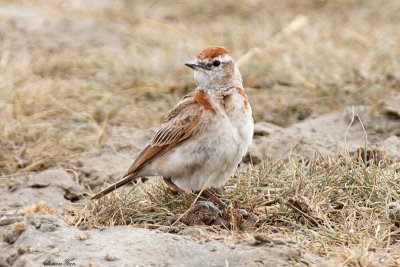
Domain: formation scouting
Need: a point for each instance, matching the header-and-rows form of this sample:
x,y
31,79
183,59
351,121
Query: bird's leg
x,y
220,203
174,187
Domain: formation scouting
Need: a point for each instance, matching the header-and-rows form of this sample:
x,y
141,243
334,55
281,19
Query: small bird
x,y
205,136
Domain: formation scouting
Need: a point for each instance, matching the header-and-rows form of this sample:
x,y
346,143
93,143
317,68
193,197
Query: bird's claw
x,y
208,205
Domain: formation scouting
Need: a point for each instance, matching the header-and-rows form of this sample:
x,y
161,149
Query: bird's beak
x,y
194,65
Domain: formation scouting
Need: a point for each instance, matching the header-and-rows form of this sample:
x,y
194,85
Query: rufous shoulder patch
x,y
242,93
201,98
212,52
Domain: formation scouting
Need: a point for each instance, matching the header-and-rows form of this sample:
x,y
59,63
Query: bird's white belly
x,y
209,158
214,157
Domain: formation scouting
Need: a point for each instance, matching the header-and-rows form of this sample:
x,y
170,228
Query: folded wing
x,y
178,125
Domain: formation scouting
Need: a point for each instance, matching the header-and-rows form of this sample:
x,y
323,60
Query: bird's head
x,y
214,69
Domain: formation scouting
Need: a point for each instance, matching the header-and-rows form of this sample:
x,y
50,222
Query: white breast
x,y
235,135
241,118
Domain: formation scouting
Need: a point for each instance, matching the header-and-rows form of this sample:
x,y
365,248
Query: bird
x,y
201,141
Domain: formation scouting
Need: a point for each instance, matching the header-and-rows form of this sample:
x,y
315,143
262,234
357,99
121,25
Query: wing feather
x,y
182,122
178,125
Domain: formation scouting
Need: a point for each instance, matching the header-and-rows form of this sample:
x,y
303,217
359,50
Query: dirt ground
x,y
83,84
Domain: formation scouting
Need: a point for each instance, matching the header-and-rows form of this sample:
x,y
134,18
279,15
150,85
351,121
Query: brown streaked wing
x,y
178,125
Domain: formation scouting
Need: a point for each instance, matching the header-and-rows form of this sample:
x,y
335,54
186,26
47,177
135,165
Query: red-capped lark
x,y
204,137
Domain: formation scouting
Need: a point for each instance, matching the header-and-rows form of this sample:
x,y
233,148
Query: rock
x,y
391,104
394,212
10,235
45,223
54,187
58,178
135,246
83,236
194,233
109,257
22,250
261,238
7,219
391,146
265,128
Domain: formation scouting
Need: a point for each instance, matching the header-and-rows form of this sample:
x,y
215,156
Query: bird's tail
x,y
126,179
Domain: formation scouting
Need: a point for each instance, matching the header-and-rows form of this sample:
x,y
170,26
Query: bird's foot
x,y
216,199
171,190
206,206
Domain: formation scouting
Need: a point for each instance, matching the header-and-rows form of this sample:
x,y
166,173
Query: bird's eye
x,y
216,63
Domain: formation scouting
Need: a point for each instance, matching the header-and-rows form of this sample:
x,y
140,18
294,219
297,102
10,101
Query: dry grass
x,y
334,207
39,208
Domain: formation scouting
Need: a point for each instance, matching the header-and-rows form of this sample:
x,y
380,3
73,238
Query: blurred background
x,y
71,72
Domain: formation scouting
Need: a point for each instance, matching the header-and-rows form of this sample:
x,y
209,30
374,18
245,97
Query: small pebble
x,y
8,220
212,249
22,250
109,257
82,236
263,238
